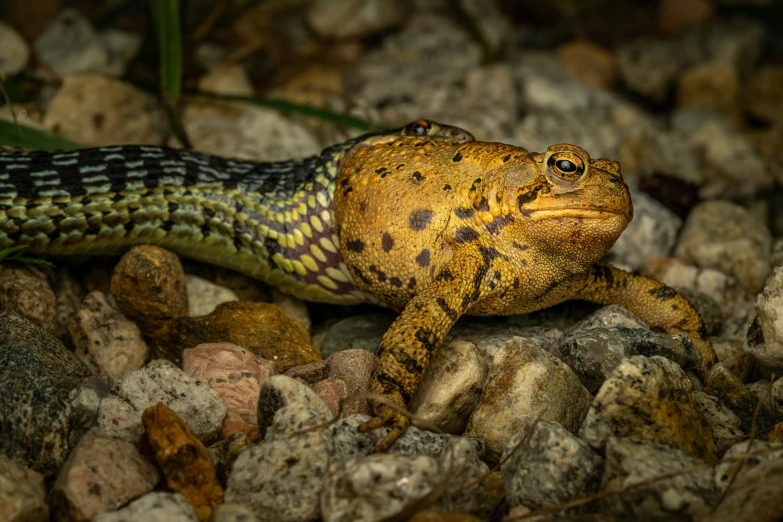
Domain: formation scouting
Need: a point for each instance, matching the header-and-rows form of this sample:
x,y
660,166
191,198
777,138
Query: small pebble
x,y
101,474
22,493
204,296
237,375
261,328
25,290
157,506
149,286
523,381
648,398
185,462
105,339
34,416
202,408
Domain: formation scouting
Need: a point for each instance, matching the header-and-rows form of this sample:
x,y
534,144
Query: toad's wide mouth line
x,y
583,213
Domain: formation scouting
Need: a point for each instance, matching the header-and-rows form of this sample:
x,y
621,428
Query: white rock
x,y
14,52
153,507
204,296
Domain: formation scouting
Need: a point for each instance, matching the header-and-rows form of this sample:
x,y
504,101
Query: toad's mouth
x,y
579,213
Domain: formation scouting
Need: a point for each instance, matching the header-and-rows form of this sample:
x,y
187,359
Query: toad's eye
x,y
418,128
566,166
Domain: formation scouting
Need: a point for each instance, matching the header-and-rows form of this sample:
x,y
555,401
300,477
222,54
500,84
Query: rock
x,y
245,131
149,286
95,110
70,45
708,309
349,368
34,417
25,290
185,462
490,335
233,513
237,375
286,406
733,300
22,493
202,408
735,396
769,353
724,236
732,354
595,353
69,294
589,63
105,340
451,387
377,487
358,331
776,397
101,474
649,398
226,451
553,467
650,67
612,316
763,91
15,52
523,381
674,15
776,435
713,86
294,308
723,423
762,451
85,400
60,364
284,476
652,232
631,461
754,494
204,296
258,327
465,467
344,19
153,507
442,516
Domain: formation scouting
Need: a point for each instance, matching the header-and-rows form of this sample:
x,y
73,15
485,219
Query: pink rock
x,y
237,375
332,391
348,369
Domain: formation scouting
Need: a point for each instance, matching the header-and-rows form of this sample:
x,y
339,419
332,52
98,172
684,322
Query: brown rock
x,y
237,375
22,493
105,340
713,86
258,327
350,367
226,451
776,435
96,110
674,15
25,290
735,396
186,463
763,96
754,495
589,63
101,474
149,287
650,399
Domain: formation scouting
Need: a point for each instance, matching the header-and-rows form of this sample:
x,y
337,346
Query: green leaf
x,y
30,138
166,16
16,254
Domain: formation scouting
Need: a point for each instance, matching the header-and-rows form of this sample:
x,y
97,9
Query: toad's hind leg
x,y
653,302
407,346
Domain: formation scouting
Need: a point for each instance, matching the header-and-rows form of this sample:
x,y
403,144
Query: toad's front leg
x,y
407,346
653,302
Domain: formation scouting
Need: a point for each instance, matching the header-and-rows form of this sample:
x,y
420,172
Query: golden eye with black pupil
x,y
417,128
566,166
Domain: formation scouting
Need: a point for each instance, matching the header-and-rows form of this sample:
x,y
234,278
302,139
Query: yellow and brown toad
x,y
421,218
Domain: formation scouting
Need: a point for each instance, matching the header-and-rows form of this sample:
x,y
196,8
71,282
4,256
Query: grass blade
x,y
30,138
